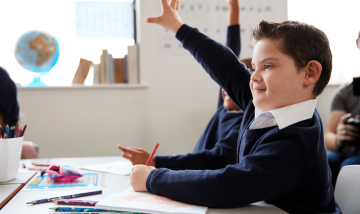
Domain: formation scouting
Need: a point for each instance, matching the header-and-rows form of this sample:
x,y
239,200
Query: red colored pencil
x,y
20,132
16,128
23,132
152,155
41,164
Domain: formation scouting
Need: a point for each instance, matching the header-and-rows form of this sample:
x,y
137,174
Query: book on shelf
x,y
132,64
82,71
126,69
102,66
119,72
96,73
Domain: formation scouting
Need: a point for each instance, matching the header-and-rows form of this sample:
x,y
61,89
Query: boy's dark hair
x,y
302,42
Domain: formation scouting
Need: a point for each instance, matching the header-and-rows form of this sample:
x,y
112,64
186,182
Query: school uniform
x,y
216,147
281,156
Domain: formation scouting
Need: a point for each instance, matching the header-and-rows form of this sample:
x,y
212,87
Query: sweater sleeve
x,y
223,154
219,62
233,39
272,171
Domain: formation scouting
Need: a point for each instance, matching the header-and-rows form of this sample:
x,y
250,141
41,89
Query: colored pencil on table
x,y
79,209
152,155
37,168
23,132
40,201
41,164
76,202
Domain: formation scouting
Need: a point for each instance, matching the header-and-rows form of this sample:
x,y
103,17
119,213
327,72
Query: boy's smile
x,y
276,81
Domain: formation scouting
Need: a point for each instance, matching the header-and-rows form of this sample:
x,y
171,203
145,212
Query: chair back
x,y
347,189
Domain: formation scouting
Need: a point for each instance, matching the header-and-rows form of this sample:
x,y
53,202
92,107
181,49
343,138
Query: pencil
x,y
79,209
16,130
152,155
40,164
7,130
76,202
11,132
1,131
40,201
5,136
30,168
23,132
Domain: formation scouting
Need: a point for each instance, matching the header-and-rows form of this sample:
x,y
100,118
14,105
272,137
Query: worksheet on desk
x,y
117,167
88,180
146,202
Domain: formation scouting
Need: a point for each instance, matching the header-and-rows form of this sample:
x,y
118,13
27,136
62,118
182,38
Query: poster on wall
x,y
211,18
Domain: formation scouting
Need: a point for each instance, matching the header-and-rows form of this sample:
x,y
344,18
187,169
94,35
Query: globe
x,y
37,52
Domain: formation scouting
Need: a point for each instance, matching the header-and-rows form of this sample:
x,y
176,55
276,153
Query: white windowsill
x,y
81,86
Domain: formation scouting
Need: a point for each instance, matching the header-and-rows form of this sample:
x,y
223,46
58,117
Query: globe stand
x,y
36,83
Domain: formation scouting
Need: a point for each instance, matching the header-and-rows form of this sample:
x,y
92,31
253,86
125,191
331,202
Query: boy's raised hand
x,y
169,18
136,156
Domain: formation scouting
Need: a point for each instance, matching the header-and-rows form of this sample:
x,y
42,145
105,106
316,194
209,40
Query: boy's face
x,y
276,82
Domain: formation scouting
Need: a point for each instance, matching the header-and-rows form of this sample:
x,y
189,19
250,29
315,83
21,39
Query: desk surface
x,y
113,184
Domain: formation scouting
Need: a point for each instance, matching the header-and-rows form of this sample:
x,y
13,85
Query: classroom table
x,y
113,184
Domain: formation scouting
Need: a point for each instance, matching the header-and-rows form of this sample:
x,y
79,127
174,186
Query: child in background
x,y
216,147
281,156
9,107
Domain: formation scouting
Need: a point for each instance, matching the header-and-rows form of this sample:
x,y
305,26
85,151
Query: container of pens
x,y
10,154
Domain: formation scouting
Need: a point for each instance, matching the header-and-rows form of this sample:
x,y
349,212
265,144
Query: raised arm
x,y
233,38
219,61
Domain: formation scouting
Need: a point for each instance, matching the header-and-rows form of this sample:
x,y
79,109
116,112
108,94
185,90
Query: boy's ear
x,y
312,72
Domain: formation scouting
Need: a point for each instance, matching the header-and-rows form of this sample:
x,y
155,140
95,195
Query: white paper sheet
x,y
132,201
117,167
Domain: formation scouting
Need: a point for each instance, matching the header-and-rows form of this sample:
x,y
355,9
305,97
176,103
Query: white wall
x,y
172,109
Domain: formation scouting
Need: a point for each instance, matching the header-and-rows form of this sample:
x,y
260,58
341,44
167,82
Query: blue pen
x,y
79,209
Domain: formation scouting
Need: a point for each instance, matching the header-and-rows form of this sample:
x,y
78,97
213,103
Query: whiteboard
x,y
211,18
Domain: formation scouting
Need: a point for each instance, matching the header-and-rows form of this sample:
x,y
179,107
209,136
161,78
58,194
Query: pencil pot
x,y
10,153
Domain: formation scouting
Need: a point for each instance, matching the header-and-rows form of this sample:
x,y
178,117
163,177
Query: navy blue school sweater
x,y
216,147
287,168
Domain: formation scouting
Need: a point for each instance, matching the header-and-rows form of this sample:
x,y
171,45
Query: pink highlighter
x,y
62,173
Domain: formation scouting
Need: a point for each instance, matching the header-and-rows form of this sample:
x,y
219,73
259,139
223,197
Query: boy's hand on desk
x,y
169,18
138,177
136,156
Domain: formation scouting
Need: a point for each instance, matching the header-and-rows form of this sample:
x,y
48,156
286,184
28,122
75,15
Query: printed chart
x,y
211,18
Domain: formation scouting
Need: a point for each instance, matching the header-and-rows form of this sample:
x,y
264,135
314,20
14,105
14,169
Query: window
x,y
82,28
340,21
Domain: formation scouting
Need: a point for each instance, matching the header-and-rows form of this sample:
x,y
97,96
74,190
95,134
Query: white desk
x,y
114,183
7,191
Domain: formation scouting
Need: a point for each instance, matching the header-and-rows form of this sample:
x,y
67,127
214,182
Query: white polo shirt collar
x,y
284,116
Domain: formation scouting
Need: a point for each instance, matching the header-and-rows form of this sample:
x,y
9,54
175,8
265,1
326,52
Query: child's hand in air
x,y
136,156
169,18
138,177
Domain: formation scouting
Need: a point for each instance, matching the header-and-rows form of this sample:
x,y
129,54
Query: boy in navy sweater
x,y
281,156
216,147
